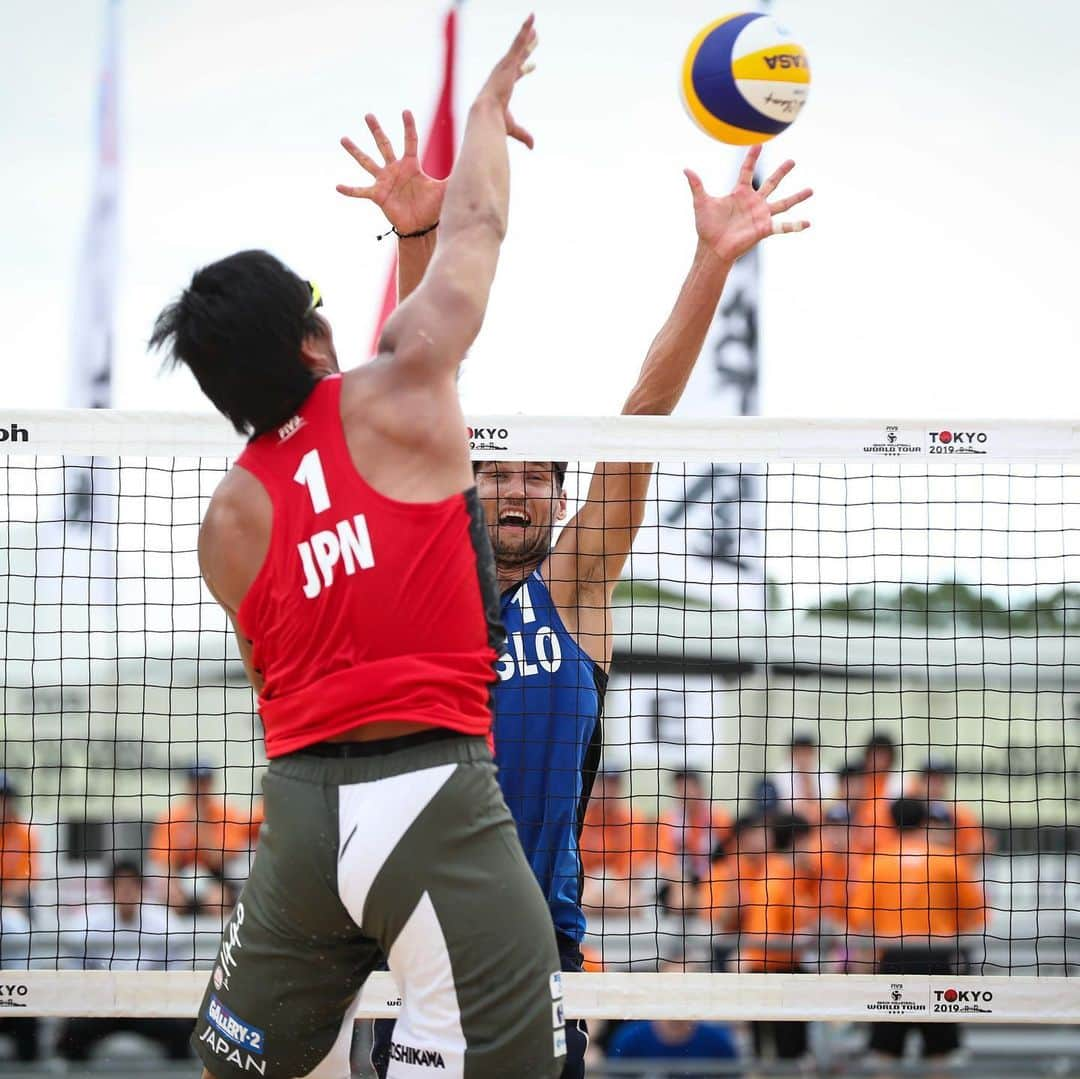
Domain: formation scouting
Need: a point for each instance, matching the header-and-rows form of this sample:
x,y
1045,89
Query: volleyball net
x,y
842,720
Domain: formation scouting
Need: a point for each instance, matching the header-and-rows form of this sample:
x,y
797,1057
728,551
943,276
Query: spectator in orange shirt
x,y
18,850
778,918
194,842
798,785
847,791
932,785
617,851
18,871
834,863
872,818
915,902
688,833
740,859
836,844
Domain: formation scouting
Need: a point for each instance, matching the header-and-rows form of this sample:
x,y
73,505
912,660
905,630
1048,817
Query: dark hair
x,y
742,824
125,867
800,740
938,768
688,775
881,741
747,821
908,813
787,829
239,326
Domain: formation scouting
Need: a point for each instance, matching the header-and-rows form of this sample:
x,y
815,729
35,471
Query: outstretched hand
x,y
731,225
410,199
504,77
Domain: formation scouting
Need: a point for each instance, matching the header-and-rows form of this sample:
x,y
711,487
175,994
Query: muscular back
x,y
406,439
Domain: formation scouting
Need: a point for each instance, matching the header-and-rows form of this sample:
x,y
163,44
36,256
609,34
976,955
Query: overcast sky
x,y
941,138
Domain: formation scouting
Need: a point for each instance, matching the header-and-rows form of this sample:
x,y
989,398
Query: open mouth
x,y
514,519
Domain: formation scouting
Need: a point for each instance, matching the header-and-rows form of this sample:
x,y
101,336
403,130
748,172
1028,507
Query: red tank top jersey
x,y
365,608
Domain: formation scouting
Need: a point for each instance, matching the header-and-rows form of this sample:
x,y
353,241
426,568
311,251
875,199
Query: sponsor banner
x,y
419,1058
234,1028
14,433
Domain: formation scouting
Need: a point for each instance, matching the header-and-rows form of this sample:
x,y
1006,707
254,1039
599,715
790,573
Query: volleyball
x,y
745,79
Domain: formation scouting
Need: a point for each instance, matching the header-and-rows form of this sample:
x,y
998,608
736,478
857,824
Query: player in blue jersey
x,y
556,597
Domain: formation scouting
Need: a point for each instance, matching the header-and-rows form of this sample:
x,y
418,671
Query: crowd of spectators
x,y
854,870
858,870
131,914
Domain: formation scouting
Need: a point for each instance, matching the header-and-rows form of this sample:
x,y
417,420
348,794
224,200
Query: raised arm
x,y
411,200
431,331
597,541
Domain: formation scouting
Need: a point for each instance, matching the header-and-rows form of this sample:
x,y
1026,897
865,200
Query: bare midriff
x,y
373,732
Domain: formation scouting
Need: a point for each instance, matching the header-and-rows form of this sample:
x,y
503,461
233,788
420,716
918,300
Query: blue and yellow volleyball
x,y
745,79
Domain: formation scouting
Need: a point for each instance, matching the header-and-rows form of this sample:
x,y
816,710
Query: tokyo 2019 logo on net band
x,y
957,441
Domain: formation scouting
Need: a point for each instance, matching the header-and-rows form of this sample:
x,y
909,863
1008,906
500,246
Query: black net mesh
x,y
794,649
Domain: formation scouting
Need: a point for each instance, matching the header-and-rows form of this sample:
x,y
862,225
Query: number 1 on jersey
x,y
310,475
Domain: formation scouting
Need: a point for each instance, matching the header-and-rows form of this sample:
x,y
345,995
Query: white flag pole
x,y
90,488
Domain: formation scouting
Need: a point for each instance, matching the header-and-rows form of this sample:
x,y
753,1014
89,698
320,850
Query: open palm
x,y
732,224
410,199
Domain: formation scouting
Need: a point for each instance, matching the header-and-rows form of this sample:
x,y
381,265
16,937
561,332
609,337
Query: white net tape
x,y
1000,499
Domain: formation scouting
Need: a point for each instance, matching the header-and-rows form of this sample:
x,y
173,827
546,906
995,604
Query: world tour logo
x,y
892,445
899,1002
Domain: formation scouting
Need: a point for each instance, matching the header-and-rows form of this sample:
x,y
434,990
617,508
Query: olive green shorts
x,y
403,848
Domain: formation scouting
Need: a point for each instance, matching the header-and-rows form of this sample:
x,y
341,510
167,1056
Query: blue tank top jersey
x,y
548,704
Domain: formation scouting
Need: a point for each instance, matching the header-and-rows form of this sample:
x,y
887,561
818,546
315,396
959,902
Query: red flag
x,y
437,158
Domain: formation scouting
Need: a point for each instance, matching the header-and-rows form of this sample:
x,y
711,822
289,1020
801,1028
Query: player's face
x,y
522,501
879,760
937,787
127,890
752,839
317,349
203,787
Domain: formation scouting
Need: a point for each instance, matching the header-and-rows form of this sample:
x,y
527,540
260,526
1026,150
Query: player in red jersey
x,y
359,579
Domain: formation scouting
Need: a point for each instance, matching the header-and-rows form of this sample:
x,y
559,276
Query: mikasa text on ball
x,y
744,78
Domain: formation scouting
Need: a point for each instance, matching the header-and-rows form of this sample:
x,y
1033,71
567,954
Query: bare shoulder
x,y
236,500
235,536
388,398
406,434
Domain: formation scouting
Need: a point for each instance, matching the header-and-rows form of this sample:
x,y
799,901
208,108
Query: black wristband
x,y
408,235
